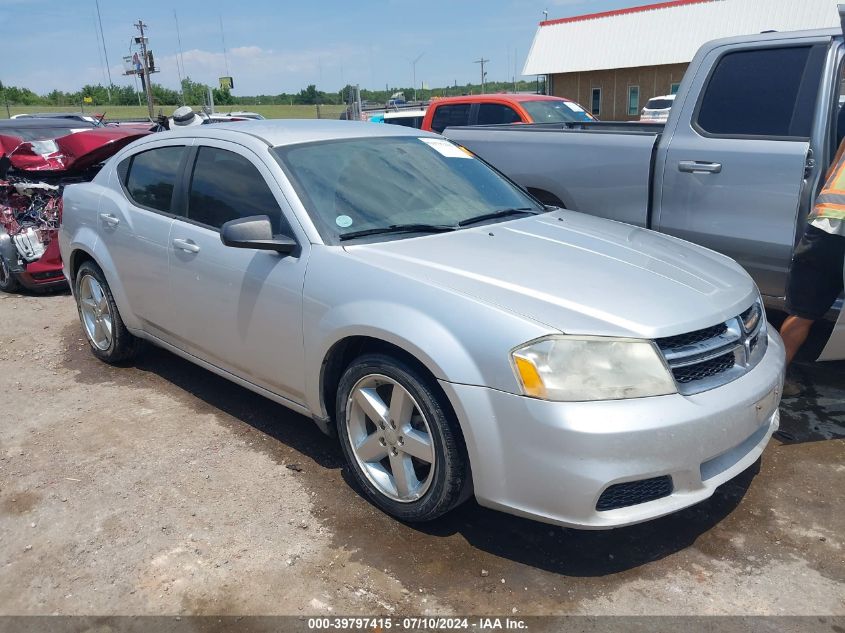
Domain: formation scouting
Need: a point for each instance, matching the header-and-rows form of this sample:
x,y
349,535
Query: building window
x,y
673,89
595,107
633,100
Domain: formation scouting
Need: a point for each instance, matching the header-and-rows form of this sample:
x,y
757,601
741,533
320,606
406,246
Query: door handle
x,y
109,220
698,167
186,245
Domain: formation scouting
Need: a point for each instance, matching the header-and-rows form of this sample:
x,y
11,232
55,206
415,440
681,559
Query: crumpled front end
x,y
30,213
32,177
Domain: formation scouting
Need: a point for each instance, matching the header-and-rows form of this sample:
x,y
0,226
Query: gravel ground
x,y
160,488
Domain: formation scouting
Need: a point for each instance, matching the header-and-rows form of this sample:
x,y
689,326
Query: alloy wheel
x,y
96,312
390,438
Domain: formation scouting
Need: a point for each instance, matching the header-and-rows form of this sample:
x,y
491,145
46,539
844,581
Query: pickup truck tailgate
x,y
603,172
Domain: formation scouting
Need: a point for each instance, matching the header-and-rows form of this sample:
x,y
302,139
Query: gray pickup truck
x,y
736,167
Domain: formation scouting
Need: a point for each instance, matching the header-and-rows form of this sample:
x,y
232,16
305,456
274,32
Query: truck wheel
x,y
108,338
8,281
399,439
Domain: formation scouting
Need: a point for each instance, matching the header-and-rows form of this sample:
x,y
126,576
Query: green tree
x,y
195,92
308,96
222,97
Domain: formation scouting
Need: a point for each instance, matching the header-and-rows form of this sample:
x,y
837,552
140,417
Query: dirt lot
x,y
161,488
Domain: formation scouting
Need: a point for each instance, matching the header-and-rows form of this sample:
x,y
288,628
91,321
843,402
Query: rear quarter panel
x,y
79,231
80,203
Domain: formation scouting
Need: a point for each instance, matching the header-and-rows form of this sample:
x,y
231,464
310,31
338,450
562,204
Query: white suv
x,y
657,109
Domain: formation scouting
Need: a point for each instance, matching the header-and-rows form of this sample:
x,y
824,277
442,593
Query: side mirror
x,y
255,232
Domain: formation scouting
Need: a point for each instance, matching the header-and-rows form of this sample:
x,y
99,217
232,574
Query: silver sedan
x,y
457,336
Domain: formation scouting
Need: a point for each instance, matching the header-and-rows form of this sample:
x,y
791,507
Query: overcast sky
x,y
277,46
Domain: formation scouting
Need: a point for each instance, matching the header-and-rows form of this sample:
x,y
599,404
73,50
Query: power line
x,y
181,58
223,39
105,54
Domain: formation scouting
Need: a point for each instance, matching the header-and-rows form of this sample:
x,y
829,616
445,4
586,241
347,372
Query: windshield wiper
x,y
399,228
501,213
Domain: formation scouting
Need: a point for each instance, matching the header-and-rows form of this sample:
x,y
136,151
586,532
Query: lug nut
x,y
381,441
401,441
394,452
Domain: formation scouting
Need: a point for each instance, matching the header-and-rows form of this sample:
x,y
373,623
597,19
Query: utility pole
x,y
482,61
414,66
145,69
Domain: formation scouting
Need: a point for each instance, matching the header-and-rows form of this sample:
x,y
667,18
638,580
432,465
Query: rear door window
x,y
493,113
450,115
227,186
768,92
151,176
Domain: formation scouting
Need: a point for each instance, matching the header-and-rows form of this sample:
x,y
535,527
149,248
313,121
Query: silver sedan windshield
x,y
368,185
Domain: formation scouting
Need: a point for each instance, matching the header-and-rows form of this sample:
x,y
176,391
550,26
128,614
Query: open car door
x,y
835,348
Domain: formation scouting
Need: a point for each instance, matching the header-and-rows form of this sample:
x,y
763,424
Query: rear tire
x,y
400,439
107,336
8,281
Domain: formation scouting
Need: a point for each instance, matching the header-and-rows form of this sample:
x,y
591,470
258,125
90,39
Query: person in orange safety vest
x,y
816,273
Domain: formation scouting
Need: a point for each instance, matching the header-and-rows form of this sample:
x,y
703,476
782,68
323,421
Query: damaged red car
x,y
38,157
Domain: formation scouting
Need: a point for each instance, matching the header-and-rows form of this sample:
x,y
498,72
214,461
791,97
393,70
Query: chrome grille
x,y
715,355
691,338
705,369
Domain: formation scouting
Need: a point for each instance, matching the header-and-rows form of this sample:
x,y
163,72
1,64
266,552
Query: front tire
x,y
8,281
107,336
400,439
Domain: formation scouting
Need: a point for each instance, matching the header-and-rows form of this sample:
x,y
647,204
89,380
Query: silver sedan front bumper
x,y
552,461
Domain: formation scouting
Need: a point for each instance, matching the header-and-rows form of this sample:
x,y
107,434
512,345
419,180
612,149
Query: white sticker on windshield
x,y
574,106
343,221
445,148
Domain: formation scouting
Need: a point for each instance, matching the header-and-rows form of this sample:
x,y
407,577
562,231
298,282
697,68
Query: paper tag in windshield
x,y
574,106
447,149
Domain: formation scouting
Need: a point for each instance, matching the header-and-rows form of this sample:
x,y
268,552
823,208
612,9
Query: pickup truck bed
x,y
617,155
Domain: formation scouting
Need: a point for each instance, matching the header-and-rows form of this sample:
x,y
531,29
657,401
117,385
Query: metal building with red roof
x,y
614,61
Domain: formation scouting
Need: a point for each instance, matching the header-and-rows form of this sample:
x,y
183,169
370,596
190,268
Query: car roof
x,y
277,132
43,122
504,96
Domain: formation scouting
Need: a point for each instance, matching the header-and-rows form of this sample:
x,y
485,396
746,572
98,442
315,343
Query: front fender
x,y
409,329
456,337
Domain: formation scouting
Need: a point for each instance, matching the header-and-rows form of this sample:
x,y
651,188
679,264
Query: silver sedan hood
x,y
577,274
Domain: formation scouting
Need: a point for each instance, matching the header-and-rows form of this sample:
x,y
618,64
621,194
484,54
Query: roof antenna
x,y
545,15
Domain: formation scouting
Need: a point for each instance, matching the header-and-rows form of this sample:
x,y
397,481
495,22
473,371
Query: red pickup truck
x,y
501,108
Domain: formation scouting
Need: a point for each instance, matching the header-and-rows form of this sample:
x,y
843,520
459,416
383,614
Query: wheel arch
x,y
80,252
78,256
346,350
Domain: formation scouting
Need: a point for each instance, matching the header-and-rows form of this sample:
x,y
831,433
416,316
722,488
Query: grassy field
x,y
135,112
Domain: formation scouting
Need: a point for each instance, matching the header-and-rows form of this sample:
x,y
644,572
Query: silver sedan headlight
x,y
581,368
